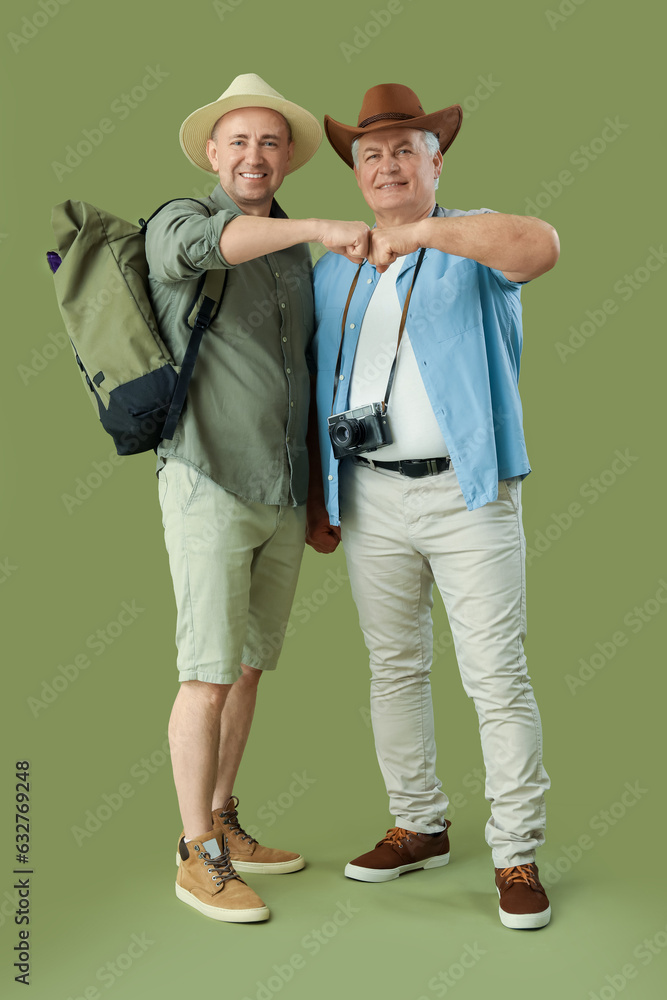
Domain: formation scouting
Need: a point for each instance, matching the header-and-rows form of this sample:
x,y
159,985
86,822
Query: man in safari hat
x,y
423,459
233,481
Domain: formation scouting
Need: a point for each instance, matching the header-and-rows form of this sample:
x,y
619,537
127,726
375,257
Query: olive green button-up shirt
x,y
244,423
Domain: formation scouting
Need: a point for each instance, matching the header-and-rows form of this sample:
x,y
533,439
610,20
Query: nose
x,y
389,164
253,154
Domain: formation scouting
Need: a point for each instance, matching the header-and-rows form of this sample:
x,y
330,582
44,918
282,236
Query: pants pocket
x,y
510,490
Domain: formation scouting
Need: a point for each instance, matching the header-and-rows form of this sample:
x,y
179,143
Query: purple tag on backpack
x,y
54,260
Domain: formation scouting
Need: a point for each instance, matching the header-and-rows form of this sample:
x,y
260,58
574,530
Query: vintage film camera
x,y
362,429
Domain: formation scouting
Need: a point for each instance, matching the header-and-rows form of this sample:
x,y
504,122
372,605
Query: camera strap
x,y
401,328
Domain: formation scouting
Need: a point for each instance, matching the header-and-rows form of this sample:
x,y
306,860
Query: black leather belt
x,y
412,468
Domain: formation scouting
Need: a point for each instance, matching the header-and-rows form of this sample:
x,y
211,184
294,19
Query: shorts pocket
x,y
185,482
162,485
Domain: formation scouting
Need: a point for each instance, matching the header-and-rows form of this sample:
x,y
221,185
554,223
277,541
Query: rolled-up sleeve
x,y
182,241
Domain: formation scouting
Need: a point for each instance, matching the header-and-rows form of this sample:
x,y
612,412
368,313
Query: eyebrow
x,y
244,135
375,149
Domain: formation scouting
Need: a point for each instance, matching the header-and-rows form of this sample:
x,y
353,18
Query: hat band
x,y
396,115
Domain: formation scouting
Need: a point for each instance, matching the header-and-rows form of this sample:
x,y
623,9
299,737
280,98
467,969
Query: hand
x,y
321,535
351,239
388,244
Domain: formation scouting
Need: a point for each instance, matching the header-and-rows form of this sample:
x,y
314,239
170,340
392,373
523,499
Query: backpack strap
x,y
211,286
208,297
143,223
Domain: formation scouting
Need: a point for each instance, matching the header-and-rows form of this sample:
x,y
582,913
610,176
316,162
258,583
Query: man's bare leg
x,y
235,722
194,740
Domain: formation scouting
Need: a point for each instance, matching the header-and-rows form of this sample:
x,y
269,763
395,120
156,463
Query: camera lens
x,y
348,433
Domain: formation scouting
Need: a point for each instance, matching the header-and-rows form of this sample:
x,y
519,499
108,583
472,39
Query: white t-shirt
x,y
411,419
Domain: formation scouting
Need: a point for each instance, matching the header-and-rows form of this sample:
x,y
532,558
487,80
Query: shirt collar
x,y
221,199
410,259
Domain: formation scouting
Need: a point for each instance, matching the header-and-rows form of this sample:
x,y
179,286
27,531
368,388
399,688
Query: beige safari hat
x,y
249,91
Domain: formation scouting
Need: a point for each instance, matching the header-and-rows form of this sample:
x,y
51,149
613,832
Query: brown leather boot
x,y
400,851
207,881
246,853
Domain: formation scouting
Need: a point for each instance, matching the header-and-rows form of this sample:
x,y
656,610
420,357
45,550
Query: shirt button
x,y
289,371
330,478
287,439
351,326
292,403
284,340
341,378
369,281
282,305
277,274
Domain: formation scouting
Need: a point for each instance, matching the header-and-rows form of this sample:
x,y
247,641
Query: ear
x,y
356,174
290,152
437,165
212,153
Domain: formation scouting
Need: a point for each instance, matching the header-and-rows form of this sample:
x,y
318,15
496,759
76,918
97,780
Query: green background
x,y
550,86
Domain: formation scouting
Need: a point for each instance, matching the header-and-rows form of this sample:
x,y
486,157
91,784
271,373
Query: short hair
x,y
431,142
214,130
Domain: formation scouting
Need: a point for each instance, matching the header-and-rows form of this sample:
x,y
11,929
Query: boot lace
x,y
520,873
230,818
395,837
220,869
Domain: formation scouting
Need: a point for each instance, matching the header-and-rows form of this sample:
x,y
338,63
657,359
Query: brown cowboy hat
x,y
389,105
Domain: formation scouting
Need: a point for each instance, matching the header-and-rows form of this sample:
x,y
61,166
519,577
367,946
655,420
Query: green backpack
x,y
101,278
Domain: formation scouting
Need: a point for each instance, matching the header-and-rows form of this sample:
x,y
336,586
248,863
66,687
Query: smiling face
x,y
396,174
251,152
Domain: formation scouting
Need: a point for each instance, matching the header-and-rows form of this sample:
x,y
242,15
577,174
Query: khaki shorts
x,y
234,565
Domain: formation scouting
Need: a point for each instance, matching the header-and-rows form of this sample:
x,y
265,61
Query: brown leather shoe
x,y
246,853
207,881
523,902
400,851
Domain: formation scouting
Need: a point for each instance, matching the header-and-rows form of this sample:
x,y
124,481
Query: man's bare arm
x,y
251,236
520,246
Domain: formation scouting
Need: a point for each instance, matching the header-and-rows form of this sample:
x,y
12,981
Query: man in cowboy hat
x,y
426,483
234,479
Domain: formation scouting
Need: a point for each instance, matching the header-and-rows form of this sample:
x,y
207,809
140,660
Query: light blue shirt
x,y
465,328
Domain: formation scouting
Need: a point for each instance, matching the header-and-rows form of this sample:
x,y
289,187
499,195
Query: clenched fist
x,y
347,238
388,244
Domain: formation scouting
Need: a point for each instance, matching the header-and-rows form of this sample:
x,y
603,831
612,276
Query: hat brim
x,y
445,124
197,127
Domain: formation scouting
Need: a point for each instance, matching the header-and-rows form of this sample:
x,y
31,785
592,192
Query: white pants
x,y
400,535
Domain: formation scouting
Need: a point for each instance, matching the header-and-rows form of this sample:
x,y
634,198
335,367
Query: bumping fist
x,y
388,244
351,239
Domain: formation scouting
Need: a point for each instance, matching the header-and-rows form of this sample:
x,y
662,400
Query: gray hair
x,y
431,142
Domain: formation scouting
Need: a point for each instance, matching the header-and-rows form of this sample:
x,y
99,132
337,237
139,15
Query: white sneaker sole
x,y
387,874
218,913
270,867
524,921
264,867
